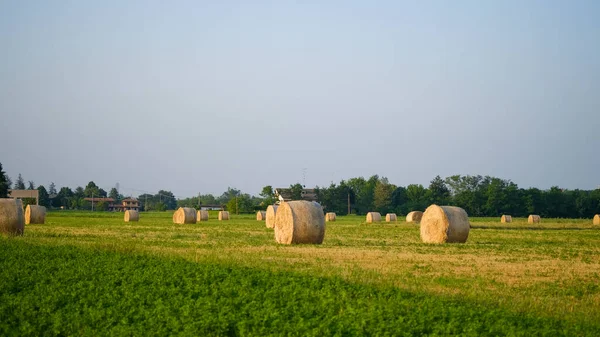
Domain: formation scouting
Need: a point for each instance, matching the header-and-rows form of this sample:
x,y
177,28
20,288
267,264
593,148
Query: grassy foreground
x,y
92,274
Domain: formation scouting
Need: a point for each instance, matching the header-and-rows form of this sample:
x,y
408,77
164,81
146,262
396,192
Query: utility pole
x,y
237,209
348,203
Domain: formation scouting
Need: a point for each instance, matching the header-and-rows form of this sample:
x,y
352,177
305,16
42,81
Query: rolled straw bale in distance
x,y
271,211
35,214
441,224
391,217
202,215
414,216
261,215
223,215
12,220
597,219
373,217
330,216
506,219
299,222
184,215
131,215
534,218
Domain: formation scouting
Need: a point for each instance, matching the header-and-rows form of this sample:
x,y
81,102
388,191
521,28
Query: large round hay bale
x,y
441,224
414,216
202,215
12,220
373,217
223,215
330,216
35,214
597,219
534,218
299,222
261,215
184,215
391,217
271,211
506,218
131,215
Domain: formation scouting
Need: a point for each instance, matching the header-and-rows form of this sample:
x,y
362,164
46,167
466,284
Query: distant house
x,y
125,205
210,207
285,194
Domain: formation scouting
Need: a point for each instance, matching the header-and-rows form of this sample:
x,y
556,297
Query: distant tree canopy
x,y
3,183
478,195
481,196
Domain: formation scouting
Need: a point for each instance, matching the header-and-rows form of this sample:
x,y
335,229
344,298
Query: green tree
x,y
240,204
416,196
64,197
296,191
91,190
3,183
20,184
268,196
44,198
52,189
227,195
30,185
114,194
399,201
168,199
382,196
438,191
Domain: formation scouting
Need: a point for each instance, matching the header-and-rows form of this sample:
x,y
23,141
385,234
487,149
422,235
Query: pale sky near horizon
x,y
194,96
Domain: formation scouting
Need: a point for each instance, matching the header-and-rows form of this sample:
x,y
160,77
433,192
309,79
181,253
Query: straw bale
x,y
373,217
391,217
444,224
414,216
184,215
506,218
131,215
261,215
299,222
534,218
271,211
597,219
201,215
330,216
35,214
12,220
223,215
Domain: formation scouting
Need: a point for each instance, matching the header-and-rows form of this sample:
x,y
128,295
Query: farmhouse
x,y
285,194
128,204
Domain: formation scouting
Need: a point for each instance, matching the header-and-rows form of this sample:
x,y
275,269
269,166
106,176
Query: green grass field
x,y
92,274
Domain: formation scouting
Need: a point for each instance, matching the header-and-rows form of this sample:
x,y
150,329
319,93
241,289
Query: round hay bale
x,y
534,218
270,220
441,224
184,215
373,217
414,216
202,215
330,216
223,215
299,222
131,215
261,215
12,220
506,219
597,219
35,214
391,217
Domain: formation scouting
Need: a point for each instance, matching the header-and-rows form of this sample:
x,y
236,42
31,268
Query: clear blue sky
x,y
197,96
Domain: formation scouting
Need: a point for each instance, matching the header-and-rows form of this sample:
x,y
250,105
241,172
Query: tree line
x,y
483,196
